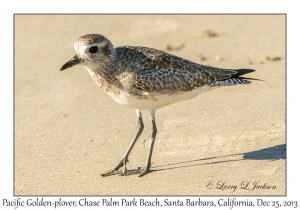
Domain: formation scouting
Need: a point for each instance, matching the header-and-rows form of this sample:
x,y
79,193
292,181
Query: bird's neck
x,y
104,75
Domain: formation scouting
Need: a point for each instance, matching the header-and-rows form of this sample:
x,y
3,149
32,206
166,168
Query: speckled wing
x,y
159,71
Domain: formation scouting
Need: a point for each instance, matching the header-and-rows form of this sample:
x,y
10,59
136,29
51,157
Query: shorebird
x,y
146,79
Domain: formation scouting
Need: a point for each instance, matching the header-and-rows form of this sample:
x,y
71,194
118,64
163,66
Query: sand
x,y
68,131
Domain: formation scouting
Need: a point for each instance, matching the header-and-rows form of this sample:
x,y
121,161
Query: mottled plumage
x,y
146,78
158,71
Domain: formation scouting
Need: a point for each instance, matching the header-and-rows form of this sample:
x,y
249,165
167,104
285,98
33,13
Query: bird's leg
x,y
124,159
145,170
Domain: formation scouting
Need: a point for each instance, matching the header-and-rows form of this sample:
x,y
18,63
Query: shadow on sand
x,y
271,153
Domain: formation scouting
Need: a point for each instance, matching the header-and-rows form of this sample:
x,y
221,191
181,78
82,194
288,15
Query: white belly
x,y
155,100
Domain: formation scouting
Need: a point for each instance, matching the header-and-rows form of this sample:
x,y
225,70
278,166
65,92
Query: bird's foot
x,y
115,170
143,171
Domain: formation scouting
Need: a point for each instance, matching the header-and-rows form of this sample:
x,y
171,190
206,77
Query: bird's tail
x,y
235,78
242,72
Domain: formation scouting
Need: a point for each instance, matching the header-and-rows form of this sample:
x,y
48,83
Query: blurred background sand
x,y
68,131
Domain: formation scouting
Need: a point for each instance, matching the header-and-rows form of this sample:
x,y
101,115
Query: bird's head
x,y
92,50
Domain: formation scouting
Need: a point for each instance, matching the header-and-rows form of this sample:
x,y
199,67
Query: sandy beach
x,y
229,141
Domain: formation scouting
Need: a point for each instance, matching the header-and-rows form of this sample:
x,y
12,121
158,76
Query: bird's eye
x,y
93,49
